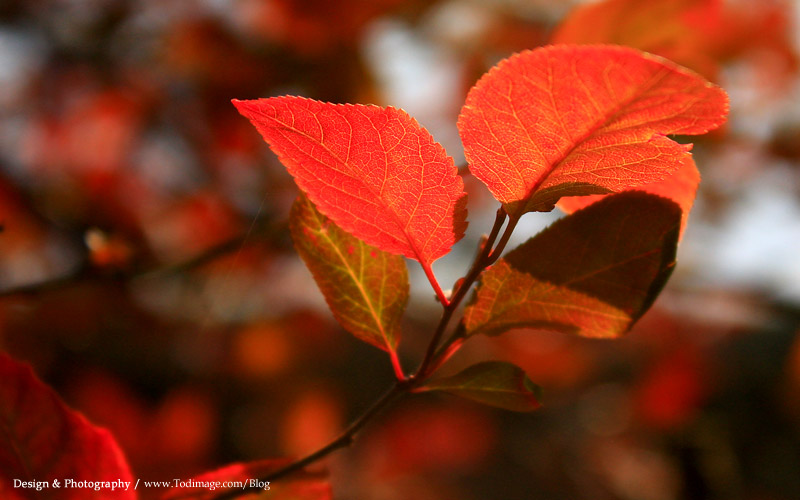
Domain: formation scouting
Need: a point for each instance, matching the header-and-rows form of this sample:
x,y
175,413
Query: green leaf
x,y
366,288
495,383
593,273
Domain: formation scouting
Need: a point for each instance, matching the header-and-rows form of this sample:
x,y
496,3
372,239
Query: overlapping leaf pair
x,y
540,128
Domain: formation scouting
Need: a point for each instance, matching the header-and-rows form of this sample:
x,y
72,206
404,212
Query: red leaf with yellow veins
x,y
366,288
680,187
593,273
571,120
41,440
495,383
374,171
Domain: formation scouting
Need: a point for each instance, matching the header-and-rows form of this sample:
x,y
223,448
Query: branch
x,y
486,256
85,272
80,275
345,439
434,358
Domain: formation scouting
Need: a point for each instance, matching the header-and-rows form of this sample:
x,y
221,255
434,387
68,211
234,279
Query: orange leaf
x,y
680,30
680,187
579,120
373,171
41,440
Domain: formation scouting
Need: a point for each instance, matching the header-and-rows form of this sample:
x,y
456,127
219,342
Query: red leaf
x,y
697,34
418,440
593,273
680,187
680,30
578,120
298,486
366,288
373,171
672,388
41,440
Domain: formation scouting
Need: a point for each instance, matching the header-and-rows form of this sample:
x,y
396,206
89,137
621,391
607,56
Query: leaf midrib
x,y
611,116
359,285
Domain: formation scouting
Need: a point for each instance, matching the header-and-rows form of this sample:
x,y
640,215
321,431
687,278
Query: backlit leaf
x,y
684,31
680,187
366,288
495,383
373,171
577,120
680,30
43,440
299,486
698,34
593,273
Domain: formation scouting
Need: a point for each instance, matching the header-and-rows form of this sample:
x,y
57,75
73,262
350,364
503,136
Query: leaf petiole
x,y
397,366
435,284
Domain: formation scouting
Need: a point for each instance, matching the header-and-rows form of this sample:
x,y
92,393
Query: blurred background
x,y
147,274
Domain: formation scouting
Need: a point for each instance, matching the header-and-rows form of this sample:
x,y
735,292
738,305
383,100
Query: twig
x,y
85,272
345,439
436,357
486,256
50,285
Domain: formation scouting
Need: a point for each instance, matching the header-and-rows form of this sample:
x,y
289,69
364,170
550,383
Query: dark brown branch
x,y
345,439
85,273
80,275
486,256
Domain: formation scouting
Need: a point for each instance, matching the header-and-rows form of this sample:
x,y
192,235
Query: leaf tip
x,y
245,107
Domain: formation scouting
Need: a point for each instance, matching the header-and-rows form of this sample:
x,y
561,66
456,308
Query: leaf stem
x,y
426,266
501,245
397,366
486,257
482,259
422,371
448,348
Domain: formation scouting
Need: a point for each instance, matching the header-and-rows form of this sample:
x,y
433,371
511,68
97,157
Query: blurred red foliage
x,y
146,271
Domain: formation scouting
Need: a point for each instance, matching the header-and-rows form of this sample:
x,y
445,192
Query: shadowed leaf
x,y
43,440
495,383
593,273
366,288
373,171
578,120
